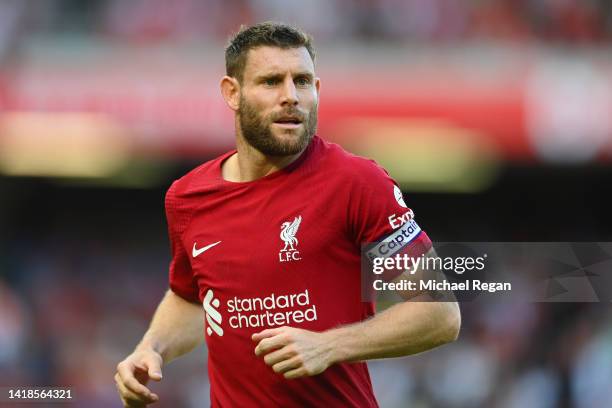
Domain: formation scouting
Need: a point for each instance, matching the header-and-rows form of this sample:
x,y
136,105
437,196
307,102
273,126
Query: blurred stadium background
x,y
494,115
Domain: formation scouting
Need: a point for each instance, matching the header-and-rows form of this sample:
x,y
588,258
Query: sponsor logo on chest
x,y
254,312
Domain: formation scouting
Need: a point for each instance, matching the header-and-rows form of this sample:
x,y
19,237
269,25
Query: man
x,y
267,238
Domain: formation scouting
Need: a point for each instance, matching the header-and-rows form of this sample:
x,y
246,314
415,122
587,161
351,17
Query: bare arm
x,y
409,327
416,325
176,329
405,328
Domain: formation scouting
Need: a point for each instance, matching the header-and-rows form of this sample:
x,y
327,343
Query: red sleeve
x,y
378,212
181,277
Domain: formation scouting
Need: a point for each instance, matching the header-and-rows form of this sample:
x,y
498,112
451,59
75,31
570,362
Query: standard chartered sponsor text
x,y
268,311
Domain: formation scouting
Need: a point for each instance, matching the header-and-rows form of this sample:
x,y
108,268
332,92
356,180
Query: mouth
x,y
288,122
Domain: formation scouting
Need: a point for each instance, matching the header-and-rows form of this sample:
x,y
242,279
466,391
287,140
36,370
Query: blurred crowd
x,y
561,21
71,310
76,295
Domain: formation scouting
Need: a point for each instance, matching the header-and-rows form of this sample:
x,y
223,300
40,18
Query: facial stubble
x,y
257,131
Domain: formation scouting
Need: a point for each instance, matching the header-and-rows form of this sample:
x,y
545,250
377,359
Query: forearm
x,y
176,327
406,328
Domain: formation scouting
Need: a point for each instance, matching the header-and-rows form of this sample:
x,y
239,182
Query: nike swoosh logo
x,y
197,252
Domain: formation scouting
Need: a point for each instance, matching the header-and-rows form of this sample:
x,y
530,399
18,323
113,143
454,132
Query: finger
x,y
130,398
143,392
135,398
295,373
267,333
153,368
127,378
134,404
271,343
286,365
279,355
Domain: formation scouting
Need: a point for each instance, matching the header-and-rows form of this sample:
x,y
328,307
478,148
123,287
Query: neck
x,y
249,164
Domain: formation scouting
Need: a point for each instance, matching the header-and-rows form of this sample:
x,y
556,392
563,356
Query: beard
x,y
257,130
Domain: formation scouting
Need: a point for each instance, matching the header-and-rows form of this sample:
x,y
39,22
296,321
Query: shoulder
x,y
352,168
203,179
204,176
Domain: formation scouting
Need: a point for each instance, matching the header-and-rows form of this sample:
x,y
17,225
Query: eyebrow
x,y
264,77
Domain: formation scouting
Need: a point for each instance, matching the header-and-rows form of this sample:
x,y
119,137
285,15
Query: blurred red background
x,y
495,117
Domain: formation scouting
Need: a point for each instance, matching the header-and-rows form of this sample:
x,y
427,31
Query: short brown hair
x,y
262,34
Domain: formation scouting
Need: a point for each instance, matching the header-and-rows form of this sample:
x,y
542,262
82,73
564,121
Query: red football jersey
x,y
282,250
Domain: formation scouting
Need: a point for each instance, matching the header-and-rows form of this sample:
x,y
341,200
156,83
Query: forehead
x,y
266,60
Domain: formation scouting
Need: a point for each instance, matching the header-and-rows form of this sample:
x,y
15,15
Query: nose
x,y
289,93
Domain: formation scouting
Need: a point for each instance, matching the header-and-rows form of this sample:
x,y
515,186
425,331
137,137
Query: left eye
x,y
302,81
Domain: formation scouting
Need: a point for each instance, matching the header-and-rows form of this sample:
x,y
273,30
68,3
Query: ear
x,y
318,86
230,90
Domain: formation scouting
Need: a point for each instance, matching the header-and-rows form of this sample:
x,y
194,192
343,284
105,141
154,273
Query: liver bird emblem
x,y
288,231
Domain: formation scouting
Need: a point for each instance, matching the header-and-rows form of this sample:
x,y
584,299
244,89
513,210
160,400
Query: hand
x,y
294,352
132,375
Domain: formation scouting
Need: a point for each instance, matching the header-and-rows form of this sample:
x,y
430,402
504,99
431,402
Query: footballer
x,y
266,251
